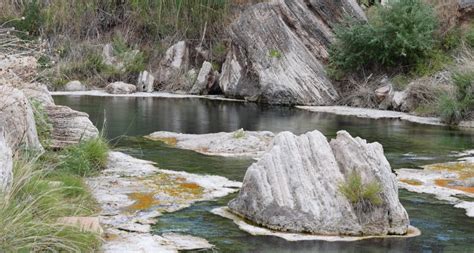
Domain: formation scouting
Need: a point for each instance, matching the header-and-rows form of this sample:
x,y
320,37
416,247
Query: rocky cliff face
x,y
296,187
278,50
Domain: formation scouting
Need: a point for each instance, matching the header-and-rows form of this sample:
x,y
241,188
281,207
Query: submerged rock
x,y
133,192
447,181
120,88
295,187
238,143
69,126
280,61
17,120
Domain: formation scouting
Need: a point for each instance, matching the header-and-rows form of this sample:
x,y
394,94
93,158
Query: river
x,y
406,145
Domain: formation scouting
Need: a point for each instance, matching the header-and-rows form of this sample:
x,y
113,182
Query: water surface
x,y
444,228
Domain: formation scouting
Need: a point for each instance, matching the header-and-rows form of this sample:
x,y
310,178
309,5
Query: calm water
x,y
444,228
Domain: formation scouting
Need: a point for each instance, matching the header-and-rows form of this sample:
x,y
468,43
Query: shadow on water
x,y
444,228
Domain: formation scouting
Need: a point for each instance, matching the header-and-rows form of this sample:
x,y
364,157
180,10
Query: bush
x,y
401,34
29,214
454,108
360,194
84,159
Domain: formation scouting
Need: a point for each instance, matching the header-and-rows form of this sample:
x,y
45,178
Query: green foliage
x,y
401,34
44,127
454,108
452,39
29,213
275,54
239,134
469,36
435,61
361,194
84,159
400,81
31,21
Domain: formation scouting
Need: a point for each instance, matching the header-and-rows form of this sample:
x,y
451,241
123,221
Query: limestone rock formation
x,y
74,86
145,82
237,143
172,66
296,187
120,88
17,119
280,61
205,79
69,126
6,164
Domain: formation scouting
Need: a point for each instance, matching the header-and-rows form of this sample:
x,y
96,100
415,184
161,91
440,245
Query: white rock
x,y
17,119
173,65
120,88
204,80
6,164
238,143
145,82
295,187
74,86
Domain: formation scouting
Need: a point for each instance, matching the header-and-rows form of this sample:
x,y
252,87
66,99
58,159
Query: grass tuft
x,y
84,159
360,194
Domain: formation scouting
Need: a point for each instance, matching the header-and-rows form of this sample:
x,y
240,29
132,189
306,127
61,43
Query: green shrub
x,y
84,159
360,194
454,108
401,34
469,36
29,213
239,134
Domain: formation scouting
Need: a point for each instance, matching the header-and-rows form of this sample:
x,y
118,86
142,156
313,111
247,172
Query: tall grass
x,y
84,159
29,214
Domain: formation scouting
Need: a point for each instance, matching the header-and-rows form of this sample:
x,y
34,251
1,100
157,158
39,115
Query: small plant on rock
x,y
239,134
359,194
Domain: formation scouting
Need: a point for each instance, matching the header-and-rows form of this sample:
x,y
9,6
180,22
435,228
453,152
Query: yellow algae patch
x,y
411,181
463,169
445,183
172,141
143,201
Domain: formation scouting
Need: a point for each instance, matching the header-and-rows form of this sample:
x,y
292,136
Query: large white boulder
x,y
296,186
17,119
120,88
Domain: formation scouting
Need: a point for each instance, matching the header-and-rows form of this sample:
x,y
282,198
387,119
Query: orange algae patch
x,y
465,170
172,141
143,201
445,183
411,181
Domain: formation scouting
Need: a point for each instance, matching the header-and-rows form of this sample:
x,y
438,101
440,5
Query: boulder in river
x,y
120,88
145,82
280,60
297,187
173,66
205,79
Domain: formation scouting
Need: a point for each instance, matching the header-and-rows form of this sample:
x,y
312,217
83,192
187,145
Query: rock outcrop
x,y
205,80
17,120
6,164
69,126
280,61
74,86
145,82
296,187
173,66
120,88
238,143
